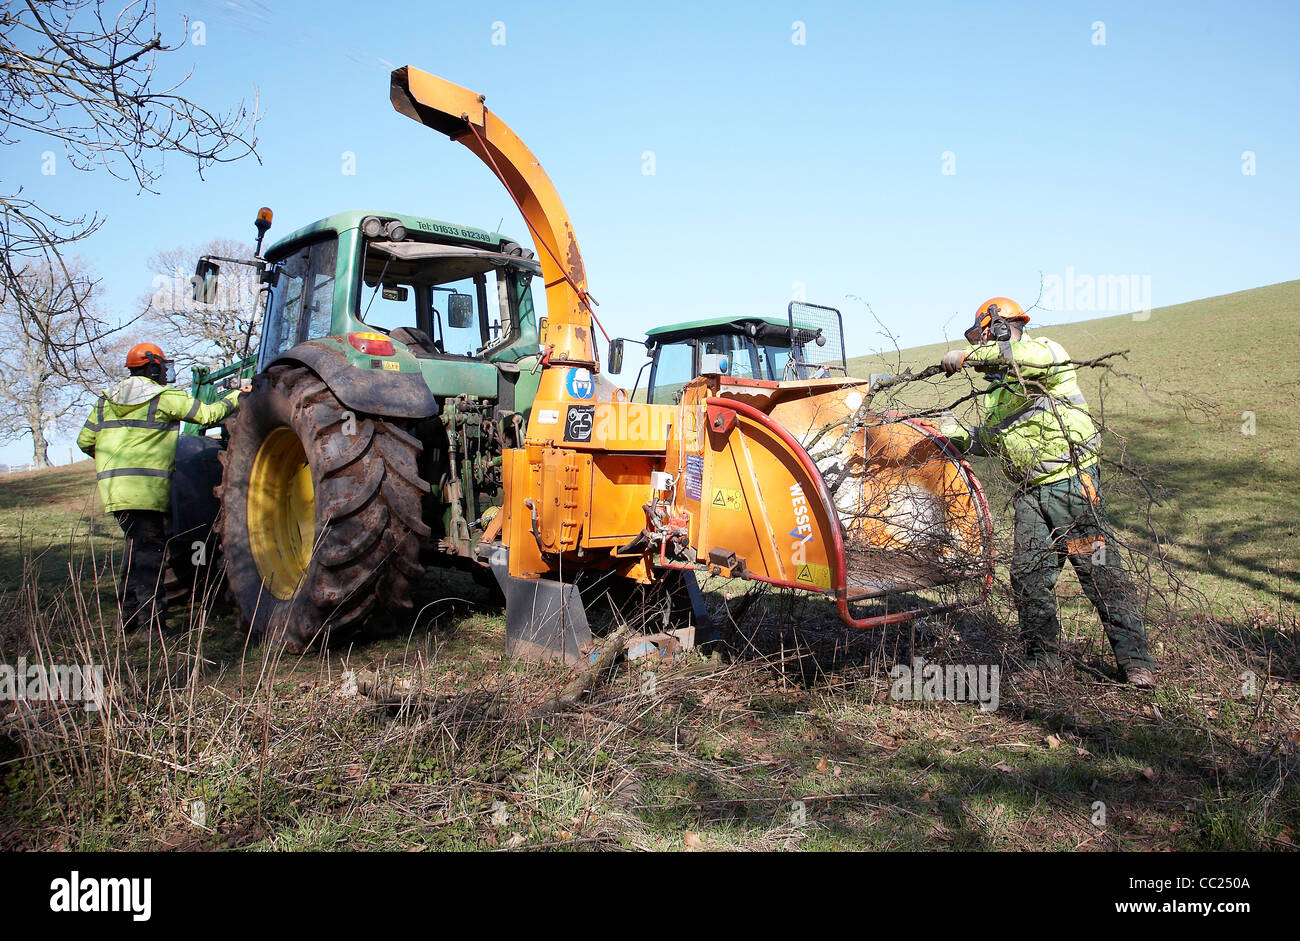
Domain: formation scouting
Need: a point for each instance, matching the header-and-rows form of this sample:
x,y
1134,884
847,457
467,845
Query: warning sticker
x,y
727,498
813,575
694,475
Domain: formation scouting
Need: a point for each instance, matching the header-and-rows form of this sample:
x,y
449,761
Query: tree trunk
x,y
40,450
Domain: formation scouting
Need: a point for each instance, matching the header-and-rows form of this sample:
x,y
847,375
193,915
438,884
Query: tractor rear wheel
x,y
320,519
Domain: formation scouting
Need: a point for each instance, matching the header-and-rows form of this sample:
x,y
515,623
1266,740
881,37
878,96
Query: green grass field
x,y
432,740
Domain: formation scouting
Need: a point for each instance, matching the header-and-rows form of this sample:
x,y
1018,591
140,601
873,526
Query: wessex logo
x,y
803,531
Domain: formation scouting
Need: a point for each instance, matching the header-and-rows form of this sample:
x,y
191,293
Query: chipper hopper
x,y
792,481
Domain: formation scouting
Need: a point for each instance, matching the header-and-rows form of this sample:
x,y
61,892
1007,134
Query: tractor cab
x,y
401,284
450,305
806,344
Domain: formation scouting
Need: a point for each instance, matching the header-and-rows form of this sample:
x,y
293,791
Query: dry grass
x,y
434,741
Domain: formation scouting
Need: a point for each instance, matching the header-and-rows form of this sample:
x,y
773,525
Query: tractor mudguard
x,y
372,391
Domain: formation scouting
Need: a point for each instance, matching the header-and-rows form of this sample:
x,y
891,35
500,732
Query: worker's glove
x,y
952,361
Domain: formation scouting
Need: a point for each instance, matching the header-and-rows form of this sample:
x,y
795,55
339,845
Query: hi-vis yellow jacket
x,y
131,433
1041,430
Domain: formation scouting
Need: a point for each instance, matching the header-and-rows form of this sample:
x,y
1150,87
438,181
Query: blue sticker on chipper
x,y
580,383
694,476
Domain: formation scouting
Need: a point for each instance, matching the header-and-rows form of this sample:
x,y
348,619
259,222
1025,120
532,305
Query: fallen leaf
x,y
822,763
1004,767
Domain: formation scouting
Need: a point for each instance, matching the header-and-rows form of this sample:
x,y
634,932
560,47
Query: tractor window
x,y
321,305
778,362
674,367
302,300
389,306
787,368
743,363
467,313
462,304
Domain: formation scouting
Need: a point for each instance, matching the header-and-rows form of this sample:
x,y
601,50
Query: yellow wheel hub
x,y
281,512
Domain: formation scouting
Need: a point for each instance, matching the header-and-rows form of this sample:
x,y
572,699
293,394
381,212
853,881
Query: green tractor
x,y
397,359
808,343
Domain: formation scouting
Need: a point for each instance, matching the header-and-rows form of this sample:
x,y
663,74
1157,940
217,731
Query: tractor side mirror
x,y
460,311
615,360
204,281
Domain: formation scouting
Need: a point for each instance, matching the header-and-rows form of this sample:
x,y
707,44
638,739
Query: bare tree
x,y
81,74
196,333
34,398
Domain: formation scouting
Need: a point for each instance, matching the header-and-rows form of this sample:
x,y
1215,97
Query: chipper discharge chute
x,y
791,481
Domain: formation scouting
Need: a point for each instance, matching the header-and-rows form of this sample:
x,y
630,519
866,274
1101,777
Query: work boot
x,y
1140,677
1045,660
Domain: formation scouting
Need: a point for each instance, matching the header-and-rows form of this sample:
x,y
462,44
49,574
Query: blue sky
x,y
777,166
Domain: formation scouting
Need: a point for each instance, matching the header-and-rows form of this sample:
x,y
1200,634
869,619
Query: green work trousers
x,y
1067,520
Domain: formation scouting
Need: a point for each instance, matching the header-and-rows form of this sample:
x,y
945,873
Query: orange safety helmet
x,y
142,354
995,307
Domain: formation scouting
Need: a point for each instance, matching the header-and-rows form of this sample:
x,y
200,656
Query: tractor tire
x,y
320,519
193,560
